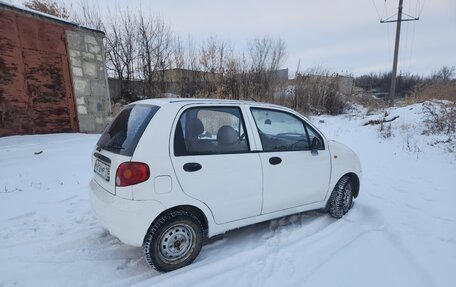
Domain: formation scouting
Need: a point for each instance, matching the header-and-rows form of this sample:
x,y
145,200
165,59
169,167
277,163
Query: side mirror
x,y
267,122
316,144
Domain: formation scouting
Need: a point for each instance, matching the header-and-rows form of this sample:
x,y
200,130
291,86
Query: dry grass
x,y
436,90
373,105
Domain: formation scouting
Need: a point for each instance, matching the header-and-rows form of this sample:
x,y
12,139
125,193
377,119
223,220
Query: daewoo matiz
x,y
170,172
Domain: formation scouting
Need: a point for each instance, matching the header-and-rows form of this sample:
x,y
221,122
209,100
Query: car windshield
x,y
124,132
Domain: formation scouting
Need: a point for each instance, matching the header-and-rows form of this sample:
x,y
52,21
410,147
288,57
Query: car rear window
x,y
124,132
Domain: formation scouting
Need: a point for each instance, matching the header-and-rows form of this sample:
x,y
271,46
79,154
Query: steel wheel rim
x,y
348,195
176,243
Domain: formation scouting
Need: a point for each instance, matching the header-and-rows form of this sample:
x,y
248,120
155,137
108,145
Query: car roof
x,y
186,101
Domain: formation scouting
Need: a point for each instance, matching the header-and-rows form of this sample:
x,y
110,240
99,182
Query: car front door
x,y
213,163
293,173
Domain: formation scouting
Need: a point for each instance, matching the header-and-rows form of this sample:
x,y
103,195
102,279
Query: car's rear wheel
x,y
173,241
341,199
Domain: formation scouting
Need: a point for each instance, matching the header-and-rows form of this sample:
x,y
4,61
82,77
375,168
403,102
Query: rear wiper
x,y
109,146
100,147
113,147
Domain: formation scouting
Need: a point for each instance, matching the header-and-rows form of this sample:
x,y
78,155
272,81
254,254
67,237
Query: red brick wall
x,y
36,95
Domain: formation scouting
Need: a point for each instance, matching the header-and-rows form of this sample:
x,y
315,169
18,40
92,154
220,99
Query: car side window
x,y
210,130
281,131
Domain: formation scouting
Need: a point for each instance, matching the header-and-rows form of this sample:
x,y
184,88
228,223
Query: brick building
x,y
52,75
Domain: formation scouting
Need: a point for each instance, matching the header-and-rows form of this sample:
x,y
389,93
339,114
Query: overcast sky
x,y
344,36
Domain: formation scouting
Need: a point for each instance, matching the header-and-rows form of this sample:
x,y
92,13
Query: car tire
x,y
341,199
173,241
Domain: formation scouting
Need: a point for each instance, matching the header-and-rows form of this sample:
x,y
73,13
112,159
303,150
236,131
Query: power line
x,y
413,41
404,49
378,14
388,40
422,7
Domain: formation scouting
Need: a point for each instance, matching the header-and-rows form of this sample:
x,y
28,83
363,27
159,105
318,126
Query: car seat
x,y
228,140
194,144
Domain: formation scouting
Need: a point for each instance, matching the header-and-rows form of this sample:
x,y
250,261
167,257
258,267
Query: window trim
x,y
213,108
306,125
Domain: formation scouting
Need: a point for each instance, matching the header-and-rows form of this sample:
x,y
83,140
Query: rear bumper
x,y
126,219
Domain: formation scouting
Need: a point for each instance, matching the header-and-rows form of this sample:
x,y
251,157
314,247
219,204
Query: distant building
x,y
281,75
344,84
52,75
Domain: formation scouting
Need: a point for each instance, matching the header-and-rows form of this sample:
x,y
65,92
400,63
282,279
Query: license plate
x,y
102,169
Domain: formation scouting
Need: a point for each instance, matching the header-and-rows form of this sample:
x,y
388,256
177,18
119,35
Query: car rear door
x,y
212,158
294,175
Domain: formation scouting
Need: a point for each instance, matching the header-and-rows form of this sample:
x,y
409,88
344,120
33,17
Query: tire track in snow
x,y
258,256
363,228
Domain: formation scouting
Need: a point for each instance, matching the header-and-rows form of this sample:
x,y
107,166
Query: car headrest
x,y
226,135
195,127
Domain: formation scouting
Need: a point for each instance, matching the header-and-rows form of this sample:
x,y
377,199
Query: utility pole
x,y
392,92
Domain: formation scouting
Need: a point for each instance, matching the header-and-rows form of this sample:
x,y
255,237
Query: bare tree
x,y
231,84
213,57
444,74
162,51
155,52
142,47
267,55
128,46
87,14
121,45
192,79
178,53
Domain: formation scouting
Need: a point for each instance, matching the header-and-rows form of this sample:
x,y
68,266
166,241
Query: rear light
x,y
129,173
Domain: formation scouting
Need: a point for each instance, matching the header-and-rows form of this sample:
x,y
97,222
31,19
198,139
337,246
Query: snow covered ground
x,y
400,232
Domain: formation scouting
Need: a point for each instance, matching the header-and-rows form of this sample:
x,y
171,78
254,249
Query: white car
x,y
170,172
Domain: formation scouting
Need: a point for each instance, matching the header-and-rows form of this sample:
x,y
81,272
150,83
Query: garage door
x,y
35,84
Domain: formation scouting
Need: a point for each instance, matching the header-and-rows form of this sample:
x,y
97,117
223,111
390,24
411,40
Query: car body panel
x,y
301,178
343,161
230,184
126,219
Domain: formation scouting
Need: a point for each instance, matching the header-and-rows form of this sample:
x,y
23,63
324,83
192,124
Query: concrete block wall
x,y
345,84
90,85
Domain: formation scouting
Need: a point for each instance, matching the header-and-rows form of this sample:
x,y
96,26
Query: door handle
x,y
192,166
275,160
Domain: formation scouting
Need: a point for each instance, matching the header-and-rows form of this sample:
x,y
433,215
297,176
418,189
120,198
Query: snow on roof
x,y
23,9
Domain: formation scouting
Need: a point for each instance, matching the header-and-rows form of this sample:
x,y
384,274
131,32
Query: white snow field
x,y
400,232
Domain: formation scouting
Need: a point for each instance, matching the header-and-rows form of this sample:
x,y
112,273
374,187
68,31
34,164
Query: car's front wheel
x,y
341,199
173,241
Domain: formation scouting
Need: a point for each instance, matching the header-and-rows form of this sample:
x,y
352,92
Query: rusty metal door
x,y
36,94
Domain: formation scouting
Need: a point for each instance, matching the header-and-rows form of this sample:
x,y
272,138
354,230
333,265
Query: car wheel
x,y
341,199
173,241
